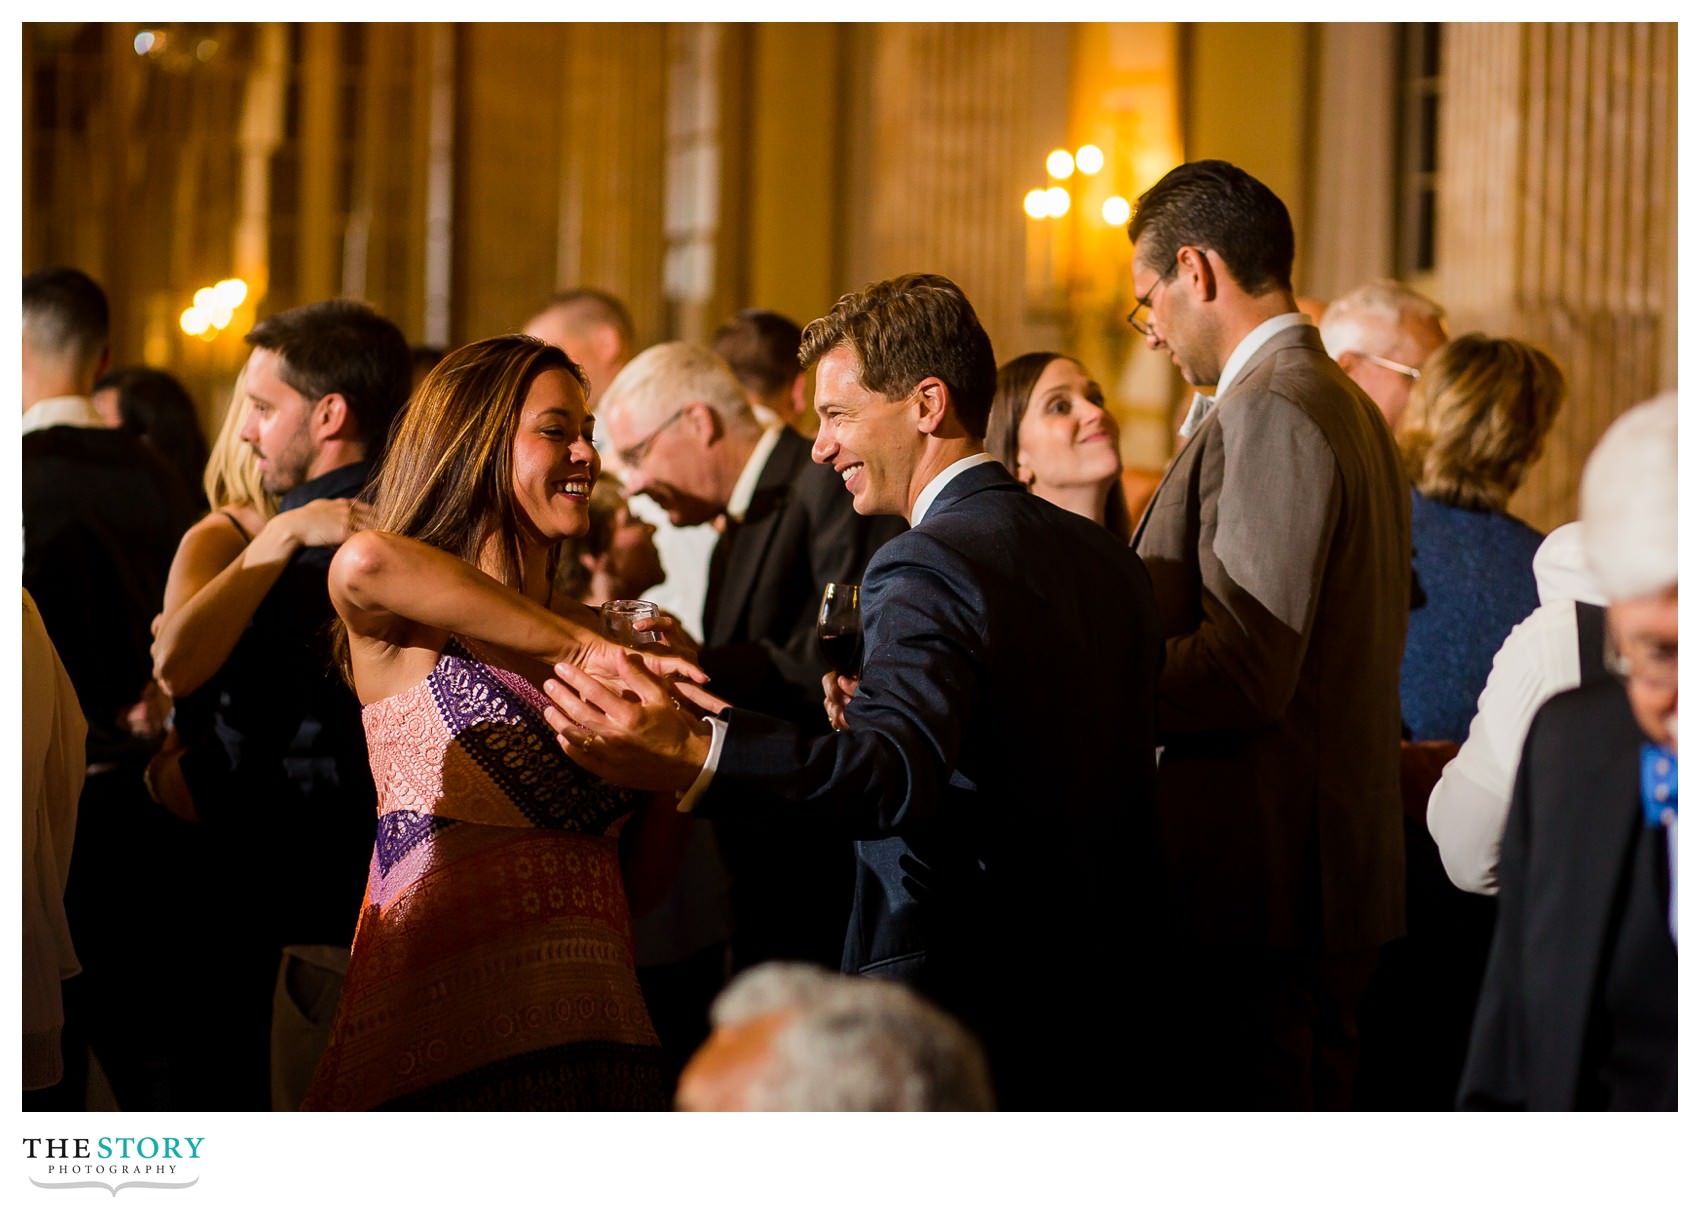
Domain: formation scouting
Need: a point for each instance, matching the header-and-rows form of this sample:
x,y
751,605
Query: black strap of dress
x,y
240,529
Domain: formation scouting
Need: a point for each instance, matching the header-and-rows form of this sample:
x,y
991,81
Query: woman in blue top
x,y
1476,422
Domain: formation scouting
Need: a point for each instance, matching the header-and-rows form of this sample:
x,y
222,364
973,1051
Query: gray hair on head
x,y
1629,502
1366,318
855,1044
675,373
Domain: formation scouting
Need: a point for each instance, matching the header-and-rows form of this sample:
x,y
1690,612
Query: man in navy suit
x,y
997,758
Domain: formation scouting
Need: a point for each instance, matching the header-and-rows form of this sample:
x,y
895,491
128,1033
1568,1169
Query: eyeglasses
x,y
634,456
1649,662
1143,303
1391,365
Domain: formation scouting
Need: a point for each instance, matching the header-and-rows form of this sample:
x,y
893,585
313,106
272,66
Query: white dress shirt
x,y
1249,345
1468,806
62,410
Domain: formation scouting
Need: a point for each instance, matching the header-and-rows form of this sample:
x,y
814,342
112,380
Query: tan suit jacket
x,y
1279,547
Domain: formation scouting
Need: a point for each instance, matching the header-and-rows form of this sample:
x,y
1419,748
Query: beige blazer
x,y
1279,547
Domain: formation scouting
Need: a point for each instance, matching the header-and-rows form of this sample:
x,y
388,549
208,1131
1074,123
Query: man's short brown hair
x,y
905,329
761,348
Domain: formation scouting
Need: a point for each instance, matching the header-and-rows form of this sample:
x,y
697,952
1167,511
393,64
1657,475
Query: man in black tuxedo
x,y
102,514
687,437
995,764
1578,1007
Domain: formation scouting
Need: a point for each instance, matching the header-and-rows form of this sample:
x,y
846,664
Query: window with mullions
x,y
1419,144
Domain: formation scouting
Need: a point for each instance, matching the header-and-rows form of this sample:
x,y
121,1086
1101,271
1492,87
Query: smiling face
x,y
554,464
871,440
1066,439
278,425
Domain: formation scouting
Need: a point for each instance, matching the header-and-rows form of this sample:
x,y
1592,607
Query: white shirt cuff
x,y
688,801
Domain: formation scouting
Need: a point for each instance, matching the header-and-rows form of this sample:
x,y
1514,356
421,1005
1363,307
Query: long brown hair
x,y
1016,380
1477,419
447,476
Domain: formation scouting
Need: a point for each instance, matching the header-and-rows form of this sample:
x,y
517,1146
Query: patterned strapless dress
x,y
492,964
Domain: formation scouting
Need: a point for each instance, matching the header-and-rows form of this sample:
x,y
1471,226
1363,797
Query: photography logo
x,y
113,1163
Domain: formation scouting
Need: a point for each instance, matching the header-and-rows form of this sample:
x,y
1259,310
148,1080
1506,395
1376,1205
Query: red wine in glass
x,y
839,627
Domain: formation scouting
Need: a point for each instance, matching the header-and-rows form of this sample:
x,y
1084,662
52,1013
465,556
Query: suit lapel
x,y
1182,458
1300,335
742,549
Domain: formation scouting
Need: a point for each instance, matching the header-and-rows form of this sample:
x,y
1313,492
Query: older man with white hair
x,y
796,1038
1381,333
1578,1009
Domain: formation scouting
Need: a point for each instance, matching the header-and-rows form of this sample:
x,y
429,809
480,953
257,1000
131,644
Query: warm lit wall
x,y
795,200
1246,91
465,172
1558,217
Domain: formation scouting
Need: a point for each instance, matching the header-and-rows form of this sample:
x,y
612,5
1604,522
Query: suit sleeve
x,y
1269,503
916,702
1493,1077
781,674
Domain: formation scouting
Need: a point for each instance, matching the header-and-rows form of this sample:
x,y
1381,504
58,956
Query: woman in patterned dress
x,y
492,966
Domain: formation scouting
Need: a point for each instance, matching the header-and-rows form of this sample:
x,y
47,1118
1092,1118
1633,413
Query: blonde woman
x,y
1475,423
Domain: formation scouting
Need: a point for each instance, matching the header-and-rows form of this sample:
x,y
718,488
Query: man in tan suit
x,y
1279,548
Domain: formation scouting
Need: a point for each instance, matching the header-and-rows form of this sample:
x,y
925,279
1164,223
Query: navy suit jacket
x,y
997,775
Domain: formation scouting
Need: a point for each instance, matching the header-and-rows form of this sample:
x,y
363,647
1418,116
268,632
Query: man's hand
x,y
640,739
840,690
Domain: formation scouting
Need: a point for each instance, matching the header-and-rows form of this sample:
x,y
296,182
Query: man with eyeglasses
x,y
1381,333
1279,547
687,438
1578,1007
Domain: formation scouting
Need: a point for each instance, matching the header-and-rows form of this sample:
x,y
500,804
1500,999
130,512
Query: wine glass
x,y
839,627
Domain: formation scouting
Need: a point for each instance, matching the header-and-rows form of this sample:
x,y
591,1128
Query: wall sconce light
x,y
1054,202
213,309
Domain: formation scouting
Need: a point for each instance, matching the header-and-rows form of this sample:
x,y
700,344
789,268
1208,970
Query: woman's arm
x,y
215,586
388,589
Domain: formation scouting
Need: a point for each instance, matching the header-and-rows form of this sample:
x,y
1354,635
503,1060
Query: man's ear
x,y
703,421
605,340
332,418
1201,268
800,394
104,362
934,403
